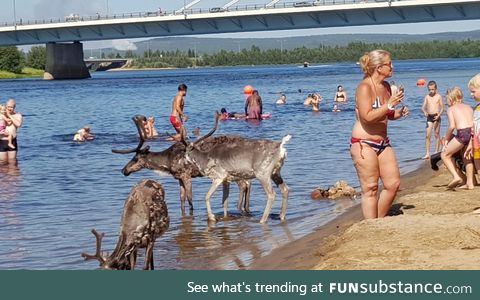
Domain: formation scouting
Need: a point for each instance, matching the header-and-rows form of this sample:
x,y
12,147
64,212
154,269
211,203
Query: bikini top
x,y
376,104
341,95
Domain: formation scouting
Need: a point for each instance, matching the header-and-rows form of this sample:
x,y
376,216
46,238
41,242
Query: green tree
x,y
11,59
37,58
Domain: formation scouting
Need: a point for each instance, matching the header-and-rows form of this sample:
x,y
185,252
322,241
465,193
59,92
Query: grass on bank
x,y
26,73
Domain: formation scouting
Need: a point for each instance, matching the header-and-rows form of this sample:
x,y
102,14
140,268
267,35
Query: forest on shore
x,y
15,63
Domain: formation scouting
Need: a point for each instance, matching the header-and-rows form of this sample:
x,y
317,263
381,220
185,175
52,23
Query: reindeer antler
x,y
217,117
98,255
139,121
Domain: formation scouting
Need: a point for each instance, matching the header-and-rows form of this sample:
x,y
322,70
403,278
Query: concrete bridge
x,y
64,50
103,64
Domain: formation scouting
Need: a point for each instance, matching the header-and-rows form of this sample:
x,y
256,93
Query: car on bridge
x,y
217,9
72,18
302,4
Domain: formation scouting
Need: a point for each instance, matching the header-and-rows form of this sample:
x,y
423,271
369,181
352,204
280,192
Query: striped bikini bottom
x,y
377,145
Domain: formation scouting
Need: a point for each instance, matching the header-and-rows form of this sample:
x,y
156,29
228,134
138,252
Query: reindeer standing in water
x,y
172,161
145,217
233,158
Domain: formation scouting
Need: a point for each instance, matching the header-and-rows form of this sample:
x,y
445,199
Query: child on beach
x,y
432,109
460,118
474,87
3,126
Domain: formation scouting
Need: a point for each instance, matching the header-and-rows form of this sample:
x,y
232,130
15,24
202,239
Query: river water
x,y
61,189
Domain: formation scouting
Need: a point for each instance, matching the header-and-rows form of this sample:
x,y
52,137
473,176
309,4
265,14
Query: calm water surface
x,y
60,189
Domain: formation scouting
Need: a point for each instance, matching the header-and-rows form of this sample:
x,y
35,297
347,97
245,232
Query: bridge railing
x,y
247,7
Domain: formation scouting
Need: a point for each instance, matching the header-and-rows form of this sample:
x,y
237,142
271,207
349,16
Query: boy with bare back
x,y
432,109
460,119
177,117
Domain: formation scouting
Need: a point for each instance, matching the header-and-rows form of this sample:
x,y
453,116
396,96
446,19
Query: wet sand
x,y
430,228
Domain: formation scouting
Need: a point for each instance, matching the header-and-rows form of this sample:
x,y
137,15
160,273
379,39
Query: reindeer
x,y
231,158
145,217
172,161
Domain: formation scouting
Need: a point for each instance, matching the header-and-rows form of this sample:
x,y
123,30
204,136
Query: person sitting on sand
x,y
3,127
460,118
282,100
83,134
150,128
335,108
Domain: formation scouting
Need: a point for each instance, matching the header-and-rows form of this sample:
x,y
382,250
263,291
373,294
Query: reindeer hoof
x,y
212,218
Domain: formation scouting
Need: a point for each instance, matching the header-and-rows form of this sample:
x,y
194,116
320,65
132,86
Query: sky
x,y
46,9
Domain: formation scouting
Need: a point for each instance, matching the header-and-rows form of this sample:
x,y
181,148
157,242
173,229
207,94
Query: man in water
x,y
253,106
13,121
177,117
432,109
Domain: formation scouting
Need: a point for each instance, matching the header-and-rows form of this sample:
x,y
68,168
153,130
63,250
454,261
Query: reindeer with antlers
x,y
145,217
172,161
232,158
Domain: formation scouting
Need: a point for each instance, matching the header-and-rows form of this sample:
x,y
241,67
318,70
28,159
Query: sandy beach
x,y
430,228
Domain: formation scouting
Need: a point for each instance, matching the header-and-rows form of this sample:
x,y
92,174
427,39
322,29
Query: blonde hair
x,y
455,95
370,61
475,81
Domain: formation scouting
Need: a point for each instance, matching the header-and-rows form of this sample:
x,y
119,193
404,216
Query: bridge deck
x,y
279,16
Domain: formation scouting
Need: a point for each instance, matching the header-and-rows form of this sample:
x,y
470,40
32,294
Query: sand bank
x,y
432,229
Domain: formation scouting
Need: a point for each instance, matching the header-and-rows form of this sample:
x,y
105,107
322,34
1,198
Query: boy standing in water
x,y
177,117
432,109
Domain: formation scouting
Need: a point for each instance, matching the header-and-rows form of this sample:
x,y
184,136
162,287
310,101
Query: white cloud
x,y
123,45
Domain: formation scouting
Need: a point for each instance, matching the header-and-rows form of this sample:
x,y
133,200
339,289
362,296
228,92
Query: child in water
x,y
83,134
460,118
150,128
3,127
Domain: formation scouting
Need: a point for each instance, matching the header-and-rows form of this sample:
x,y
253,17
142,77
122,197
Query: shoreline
x,y
326,247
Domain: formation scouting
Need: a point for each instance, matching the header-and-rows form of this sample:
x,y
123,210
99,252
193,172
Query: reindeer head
x,y
138,162
106,262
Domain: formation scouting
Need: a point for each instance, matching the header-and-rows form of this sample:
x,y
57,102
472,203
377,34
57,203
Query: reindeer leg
x,y
215,184
248,187
277,178
241,194
148,264
182,196
226,192
133,259
188,190
267,186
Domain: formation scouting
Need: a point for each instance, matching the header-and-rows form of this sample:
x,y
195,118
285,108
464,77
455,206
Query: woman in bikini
x,y
372,155
340,95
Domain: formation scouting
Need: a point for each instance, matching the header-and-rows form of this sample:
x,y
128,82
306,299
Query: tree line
x,y
13,60
321,54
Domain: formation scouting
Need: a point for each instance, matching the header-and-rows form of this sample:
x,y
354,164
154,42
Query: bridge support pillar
x,y
65,61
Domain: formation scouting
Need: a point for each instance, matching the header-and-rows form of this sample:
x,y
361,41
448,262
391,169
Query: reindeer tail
x,y
283,151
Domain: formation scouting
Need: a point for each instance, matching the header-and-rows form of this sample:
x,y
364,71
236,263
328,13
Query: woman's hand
x,y
396,99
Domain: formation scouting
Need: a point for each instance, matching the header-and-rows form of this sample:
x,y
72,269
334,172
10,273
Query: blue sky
x,y
45,9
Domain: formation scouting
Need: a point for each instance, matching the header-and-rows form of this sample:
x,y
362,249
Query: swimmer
x,y
83,134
